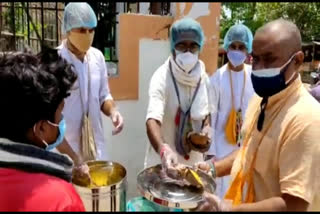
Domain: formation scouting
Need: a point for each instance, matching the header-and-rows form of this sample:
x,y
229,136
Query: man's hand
x,y
207,131
207,166
222,166
109,109
169,160
117,121
211,203
204,166
82,171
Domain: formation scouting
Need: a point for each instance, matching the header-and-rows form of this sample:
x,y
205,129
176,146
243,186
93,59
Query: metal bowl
x,y
157,190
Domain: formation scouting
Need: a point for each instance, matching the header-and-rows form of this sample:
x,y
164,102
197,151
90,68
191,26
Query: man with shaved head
x,y
277,168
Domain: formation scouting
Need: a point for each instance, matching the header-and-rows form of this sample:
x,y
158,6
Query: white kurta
x,y
220,82
163,105
99,92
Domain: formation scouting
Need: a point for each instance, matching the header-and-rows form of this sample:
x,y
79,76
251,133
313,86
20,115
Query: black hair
x,y
31,89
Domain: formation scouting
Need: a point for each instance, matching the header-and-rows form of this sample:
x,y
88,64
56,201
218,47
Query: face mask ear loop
x,y
286,68
290,78
288,62
43,141
53,124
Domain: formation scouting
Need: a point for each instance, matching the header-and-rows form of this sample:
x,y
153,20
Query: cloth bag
x,y
88,145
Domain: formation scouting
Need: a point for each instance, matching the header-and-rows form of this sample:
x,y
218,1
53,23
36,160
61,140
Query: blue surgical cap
x,y
77,15
186,29
239,33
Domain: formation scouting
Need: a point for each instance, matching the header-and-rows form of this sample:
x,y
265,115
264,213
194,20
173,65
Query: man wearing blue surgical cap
x,y
233,89
84,139
178,117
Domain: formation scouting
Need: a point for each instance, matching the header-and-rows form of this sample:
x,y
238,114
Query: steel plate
x,y
168,194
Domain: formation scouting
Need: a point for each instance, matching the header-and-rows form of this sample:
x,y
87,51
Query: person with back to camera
x,y
32,93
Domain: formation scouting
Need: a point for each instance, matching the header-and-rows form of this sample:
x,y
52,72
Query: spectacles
x,y
193,48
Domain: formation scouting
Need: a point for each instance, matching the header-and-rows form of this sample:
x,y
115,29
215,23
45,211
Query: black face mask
x,y
269,84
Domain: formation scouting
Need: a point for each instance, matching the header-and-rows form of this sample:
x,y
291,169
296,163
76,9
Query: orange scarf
x,y
241,189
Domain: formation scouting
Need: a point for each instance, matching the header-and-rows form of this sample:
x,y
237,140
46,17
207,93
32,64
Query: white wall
x,y
128,148
197,10
144,7
173,7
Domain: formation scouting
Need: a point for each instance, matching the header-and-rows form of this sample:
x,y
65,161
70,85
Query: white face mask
x,y
236,57
187,60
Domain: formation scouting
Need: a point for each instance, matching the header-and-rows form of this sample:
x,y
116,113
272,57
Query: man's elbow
x,y
151,122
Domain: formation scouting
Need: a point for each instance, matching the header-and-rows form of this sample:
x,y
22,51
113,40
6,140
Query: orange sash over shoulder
x,y
241,189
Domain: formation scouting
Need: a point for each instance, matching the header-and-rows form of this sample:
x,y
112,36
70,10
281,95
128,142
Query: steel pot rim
x,y
118,185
